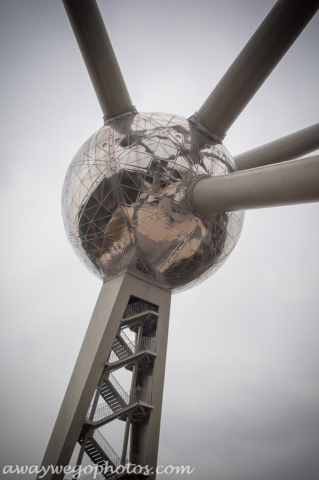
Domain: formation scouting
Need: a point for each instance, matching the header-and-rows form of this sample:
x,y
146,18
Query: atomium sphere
x,y
124,202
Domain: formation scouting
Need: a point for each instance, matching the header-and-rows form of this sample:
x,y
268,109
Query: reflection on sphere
x,y
124,202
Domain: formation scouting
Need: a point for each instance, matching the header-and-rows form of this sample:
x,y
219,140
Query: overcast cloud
x,y
241,399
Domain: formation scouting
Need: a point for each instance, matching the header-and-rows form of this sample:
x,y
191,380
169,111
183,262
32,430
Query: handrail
x,y
139,307
146,343
113,357
106,447
138,394
137,459
121,393
101,411
128,342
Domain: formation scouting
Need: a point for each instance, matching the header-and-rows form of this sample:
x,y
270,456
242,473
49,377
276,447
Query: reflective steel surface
x,y
124,202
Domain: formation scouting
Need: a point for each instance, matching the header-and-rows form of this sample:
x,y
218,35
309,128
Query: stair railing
x,y
122,395
140,394
137,459
103,411
147,343
139,307
130,345
113,357
106,448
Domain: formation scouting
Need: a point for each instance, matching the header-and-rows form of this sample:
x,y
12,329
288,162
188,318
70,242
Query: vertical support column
x,y
95,350
153,429
125,441
145,436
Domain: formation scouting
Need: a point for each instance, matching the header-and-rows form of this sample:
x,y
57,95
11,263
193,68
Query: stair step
x,y
114,401
97,453
121,348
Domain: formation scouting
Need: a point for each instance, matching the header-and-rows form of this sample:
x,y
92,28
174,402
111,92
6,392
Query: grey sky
x,y
241,399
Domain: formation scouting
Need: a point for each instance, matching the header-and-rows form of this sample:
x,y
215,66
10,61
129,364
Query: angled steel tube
x,y
287,183
99,57
286,148
255,62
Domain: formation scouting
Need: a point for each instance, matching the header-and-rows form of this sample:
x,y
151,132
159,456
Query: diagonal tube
x,y
286,148
255,62
275,185
99,57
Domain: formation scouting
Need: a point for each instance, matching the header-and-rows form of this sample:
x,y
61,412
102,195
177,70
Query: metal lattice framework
x,y
153,203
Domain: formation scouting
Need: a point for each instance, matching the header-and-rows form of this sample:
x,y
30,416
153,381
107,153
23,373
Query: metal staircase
x,y
139,307
103,412
100,452
122,346
113,394
134,407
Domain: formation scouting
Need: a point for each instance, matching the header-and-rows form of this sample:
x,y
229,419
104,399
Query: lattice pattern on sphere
x,y
124,202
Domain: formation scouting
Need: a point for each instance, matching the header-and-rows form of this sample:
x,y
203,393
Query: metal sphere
x,y
124,202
